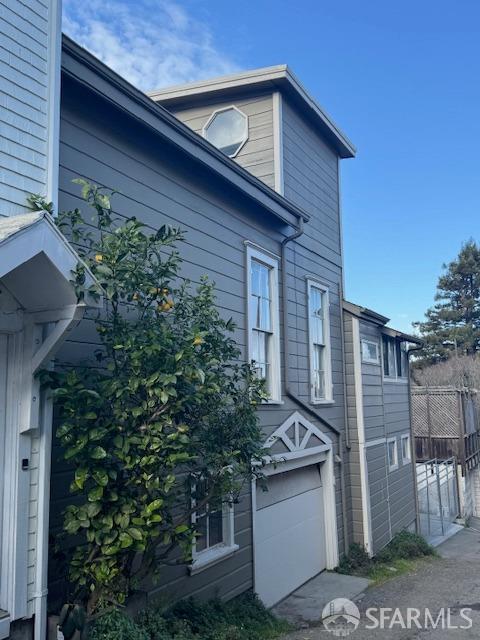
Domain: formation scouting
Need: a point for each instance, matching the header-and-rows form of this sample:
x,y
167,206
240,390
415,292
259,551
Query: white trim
x,y
368,359
266,258
213,116
278,142
328,399
211,556
408,459
392,466
364,484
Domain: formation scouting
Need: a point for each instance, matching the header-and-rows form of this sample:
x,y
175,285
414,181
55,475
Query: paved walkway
x,y
449,582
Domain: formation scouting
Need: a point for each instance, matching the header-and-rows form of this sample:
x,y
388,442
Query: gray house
x,y
281,246
381,476
249,167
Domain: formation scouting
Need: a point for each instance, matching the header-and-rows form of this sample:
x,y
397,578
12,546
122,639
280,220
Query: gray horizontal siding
x,y
257,153
23,103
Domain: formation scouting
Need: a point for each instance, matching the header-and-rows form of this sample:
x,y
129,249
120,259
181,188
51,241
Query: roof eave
x,y
85,69
278,77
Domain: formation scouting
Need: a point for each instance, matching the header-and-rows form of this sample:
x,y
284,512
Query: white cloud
x,y
151,43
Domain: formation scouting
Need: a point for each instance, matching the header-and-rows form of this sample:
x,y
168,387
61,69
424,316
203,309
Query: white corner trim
x,y
277,106
211,556
54,53
364,486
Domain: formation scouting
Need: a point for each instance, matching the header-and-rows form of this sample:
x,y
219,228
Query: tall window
x,y
392,454
395,358
263,320
319,337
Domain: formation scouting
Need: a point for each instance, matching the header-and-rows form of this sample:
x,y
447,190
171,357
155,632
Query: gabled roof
x,y
90,73
277,78
381,321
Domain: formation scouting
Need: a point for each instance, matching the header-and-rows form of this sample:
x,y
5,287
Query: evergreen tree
x,y
452,325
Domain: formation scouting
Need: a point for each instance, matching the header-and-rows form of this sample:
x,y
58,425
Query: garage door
x,y
289,533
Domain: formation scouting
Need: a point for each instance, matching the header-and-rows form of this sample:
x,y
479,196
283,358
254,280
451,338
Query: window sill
x,y
392,469
268,402
396,380
324,403
208,558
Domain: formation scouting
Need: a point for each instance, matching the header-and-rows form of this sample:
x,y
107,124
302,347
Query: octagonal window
x,y
227,129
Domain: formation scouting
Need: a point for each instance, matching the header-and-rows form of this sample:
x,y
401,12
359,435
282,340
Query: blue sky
x,y
402,81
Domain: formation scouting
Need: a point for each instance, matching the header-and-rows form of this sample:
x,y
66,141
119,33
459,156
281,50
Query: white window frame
x,y
211,119
312,283
377,347
211,555
274,385
408,458
392,466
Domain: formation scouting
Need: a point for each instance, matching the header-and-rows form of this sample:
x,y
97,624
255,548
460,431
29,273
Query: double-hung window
x,y
214,525
319,343
395,358
263,320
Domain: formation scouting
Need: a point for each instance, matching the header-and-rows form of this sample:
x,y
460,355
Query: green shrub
x,y
356,560
405,545
243,618
116,625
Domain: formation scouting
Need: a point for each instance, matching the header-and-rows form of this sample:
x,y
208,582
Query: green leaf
x,y
97,453
81,475
95,494
135,533
181,528
101,477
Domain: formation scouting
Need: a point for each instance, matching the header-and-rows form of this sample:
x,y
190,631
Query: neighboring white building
x,y
37,303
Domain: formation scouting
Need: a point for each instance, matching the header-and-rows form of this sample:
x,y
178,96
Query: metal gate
x,y
437,491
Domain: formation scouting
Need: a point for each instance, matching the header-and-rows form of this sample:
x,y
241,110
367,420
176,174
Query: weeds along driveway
x,y
451,581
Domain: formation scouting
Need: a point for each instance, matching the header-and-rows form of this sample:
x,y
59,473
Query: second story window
x,y
263,319
395,358
319,338
227,129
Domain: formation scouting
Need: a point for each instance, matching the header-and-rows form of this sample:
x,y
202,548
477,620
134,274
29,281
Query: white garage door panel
x,y
289,545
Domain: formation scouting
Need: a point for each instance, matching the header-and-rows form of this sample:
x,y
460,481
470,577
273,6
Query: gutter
x,y
292,395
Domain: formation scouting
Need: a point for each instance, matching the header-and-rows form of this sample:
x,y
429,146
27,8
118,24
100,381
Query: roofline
x,y
84,68
279,77
369,315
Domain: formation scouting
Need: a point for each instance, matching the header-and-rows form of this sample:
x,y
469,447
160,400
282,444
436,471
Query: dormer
x,y
266,121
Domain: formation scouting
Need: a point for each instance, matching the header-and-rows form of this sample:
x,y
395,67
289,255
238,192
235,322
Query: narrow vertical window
x,y
319,338
263,320
392,454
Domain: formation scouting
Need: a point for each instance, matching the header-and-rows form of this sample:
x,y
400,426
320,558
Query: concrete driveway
x,y
445,585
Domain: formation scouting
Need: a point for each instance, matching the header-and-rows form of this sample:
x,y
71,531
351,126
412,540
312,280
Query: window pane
x,y
255,274
318,382
369,350
259,352
391,454
227,130
215,527
316,302
201,539
265,315
398,351
386,367
317,330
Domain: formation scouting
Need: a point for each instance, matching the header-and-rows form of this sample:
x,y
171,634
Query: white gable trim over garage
x,y
298,444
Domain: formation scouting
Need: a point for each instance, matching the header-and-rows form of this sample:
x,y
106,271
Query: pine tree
x,y
452,325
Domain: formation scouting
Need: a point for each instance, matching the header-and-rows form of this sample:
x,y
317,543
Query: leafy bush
x,y
244,618
403,546
115,625
356,560
171,403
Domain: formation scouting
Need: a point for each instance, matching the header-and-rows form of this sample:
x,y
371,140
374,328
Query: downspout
x,y
412,441
291,394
